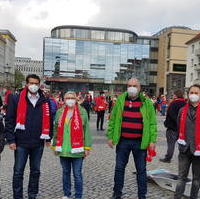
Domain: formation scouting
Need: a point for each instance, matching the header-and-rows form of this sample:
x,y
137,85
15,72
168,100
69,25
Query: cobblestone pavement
x,y
98,171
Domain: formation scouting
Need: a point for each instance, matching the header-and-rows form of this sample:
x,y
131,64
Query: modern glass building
x,y
85,58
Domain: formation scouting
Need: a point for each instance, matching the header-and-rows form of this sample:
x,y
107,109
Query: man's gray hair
x,y
134,79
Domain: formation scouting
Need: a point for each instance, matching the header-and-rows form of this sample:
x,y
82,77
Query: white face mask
x,y
33,88
132,91
194,98
70,102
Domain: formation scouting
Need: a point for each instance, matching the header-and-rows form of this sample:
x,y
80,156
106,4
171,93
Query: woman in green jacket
x,y
72,142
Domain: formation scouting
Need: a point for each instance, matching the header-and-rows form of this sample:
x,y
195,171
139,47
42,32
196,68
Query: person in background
x,y
171,124
132,127
101,106
1,102
110,104
28,126
163,105
154,101
158,104
6,94
2,140
87,105
60,100
53,102
72,143
2,135
189,144
114,99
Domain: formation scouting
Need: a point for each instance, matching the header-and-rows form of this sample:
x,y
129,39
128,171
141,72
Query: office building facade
x,y
7,57
85,58
172,58
28,66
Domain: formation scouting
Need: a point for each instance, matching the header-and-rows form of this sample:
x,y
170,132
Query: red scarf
x,y
76,131
183,117
21,115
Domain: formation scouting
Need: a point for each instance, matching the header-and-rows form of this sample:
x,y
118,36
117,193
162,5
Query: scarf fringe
x,y
181,141
19,126
77,150
58,149
45,137
197,153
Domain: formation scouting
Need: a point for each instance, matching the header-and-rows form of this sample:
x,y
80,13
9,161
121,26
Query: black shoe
x,y
102,129
97,129
114,196
165,160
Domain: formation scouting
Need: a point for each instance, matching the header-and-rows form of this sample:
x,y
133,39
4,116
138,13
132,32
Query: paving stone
x,y
98,171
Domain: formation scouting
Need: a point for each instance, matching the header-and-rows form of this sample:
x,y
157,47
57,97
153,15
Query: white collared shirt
x,y
33,98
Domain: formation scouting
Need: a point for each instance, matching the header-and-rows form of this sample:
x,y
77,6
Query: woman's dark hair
x,y
194,85
34,76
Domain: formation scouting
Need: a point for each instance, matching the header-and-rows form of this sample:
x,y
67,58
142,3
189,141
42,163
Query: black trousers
x,y
172,137
100,118
185,160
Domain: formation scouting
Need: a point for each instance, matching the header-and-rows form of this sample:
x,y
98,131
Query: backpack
x,y
2,136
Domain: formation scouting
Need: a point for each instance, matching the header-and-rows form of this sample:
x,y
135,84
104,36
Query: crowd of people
x,y
35,118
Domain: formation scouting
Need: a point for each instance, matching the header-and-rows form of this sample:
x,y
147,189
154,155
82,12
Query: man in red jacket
x,y
101,106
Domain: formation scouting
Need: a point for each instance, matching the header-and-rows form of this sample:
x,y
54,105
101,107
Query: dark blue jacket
x,y
30,137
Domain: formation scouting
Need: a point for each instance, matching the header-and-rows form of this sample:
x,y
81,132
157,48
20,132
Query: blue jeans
x,y
76,165
123,150
21,156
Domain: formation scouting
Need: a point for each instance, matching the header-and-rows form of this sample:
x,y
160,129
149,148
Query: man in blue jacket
x,y
28,126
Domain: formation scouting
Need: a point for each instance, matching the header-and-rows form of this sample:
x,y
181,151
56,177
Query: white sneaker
x,y
65,197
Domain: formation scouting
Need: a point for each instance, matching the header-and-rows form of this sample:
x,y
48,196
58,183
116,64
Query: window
x,y
111,36
193,49
97,34
191,77
192,62
153,61
179,67
174,83
198,75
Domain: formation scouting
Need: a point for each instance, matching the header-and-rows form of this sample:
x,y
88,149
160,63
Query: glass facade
x,y
92,59
101,56
94,34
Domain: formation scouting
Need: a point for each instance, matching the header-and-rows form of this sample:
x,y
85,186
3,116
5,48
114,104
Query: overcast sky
x,y
31,20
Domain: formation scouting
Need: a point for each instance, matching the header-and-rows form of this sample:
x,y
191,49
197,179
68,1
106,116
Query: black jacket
x,y
30,137
172,114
